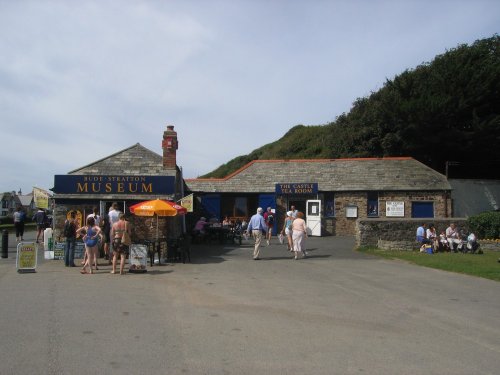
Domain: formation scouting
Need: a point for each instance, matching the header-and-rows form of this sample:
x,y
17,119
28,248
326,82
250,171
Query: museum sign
x,y
101,184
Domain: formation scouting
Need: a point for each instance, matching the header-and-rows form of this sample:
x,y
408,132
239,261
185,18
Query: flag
x,y
41,198
187,202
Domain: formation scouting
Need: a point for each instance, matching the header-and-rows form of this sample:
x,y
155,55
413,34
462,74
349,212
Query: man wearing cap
x,y
256,227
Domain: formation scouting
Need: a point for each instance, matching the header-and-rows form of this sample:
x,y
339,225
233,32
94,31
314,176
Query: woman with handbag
x,y
120,233
91,238
287,229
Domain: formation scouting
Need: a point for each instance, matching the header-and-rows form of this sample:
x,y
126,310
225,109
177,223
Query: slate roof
x,y
134,160
367,174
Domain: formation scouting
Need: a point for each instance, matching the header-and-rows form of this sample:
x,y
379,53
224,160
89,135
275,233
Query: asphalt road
x,y
337,312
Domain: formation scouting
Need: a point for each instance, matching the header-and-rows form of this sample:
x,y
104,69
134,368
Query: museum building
x,y
126,177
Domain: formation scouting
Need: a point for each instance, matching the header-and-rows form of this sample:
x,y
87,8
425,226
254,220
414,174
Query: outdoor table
x,y
217,233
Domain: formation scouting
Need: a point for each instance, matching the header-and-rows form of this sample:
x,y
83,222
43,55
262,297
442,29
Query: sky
x,y
82,80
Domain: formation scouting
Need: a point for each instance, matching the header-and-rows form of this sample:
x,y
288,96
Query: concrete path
x,y
336,312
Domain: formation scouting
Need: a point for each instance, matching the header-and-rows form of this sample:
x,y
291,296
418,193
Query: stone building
x,y
332,193
127,177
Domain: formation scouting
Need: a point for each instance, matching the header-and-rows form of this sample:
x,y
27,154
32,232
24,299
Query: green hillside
x,y
443,111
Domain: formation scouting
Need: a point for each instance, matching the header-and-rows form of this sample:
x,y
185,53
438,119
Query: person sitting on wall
x,y
432,236
443,242
421,236
453,237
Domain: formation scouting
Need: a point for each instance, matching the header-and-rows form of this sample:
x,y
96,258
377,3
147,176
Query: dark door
x,y
211,206
422,209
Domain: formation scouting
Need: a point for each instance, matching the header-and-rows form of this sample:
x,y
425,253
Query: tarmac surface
x,y
336,312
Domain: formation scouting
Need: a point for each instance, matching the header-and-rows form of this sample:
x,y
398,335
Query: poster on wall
x,y
351,211
394,209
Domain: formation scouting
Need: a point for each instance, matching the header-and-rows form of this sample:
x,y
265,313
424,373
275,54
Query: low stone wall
x,y
488,245
392,234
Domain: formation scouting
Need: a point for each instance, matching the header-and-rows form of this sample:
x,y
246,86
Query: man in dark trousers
x,y
40,218
70,233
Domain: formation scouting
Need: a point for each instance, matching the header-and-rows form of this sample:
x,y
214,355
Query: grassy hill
x,y
443,111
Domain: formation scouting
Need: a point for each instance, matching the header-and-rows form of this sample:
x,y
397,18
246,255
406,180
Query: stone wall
x,y
345,226
389,234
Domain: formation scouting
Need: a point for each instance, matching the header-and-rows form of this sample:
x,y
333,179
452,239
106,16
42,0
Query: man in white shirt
x,y
114,214
95,215
453,237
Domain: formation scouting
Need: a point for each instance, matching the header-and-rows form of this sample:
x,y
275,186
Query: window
x,y
240,206
372,204
422,209
234,206
329,205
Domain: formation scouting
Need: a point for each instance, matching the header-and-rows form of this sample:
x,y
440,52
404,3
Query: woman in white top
x,y
433,237
299,234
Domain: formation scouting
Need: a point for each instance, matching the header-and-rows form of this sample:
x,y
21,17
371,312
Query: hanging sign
x,y
187,202
26,260
41,198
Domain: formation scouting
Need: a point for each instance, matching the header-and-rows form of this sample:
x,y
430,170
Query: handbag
x,y
126,238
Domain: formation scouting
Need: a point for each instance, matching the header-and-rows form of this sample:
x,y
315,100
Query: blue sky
x,y
81,80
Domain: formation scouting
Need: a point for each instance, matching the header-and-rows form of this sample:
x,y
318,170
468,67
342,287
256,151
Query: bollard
x,y
5,243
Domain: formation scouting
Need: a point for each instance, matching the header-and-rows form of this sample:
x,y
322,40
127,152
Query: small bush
x,y
485,225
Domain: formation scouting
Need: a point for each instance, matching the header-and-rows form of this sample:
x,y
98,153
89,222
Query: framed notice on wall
x,y
351,211
394,209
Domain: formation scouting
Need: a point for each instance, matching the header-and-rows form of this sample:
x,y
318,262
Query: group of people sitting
x,y
449,240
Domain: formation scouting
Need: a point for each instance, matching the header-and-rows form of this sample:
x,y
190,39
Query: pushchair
x,y
237,232
472,245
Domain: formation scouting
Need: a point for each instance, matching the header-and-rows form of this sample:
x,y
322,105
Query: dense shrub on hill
x,y
445,110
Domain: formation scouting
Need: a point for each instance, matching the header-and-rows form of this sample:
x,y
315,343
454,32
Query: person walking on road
x,y
269,219
40,218
19,223
287,229
299,235
256,227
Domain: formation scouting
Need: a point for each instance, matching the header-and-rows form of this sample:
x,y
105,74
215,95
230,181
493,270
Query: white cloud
x,y
82,80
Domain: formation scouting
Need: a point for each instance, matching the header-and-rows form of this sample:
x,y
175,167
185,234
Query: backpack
x,y
270,219
69,229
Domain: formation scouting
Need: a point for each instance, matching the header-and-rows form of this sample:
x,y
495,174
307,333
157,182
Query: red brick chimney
x,y
169,145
